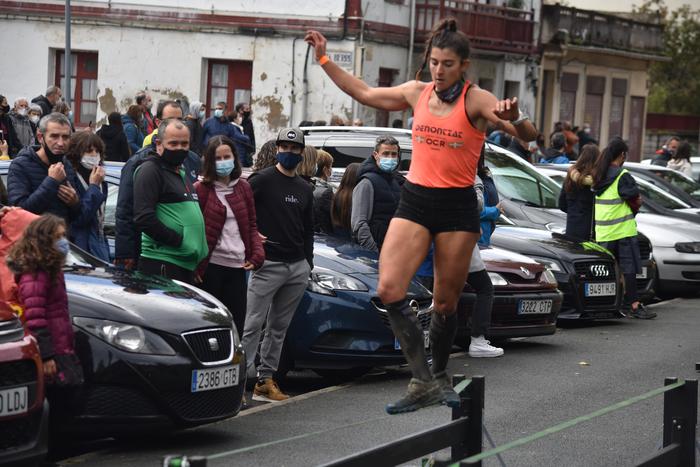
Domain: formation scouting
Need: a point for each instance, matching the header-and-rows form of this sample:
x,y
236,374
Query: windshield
x,y
80,258
686,184
659,196
519,181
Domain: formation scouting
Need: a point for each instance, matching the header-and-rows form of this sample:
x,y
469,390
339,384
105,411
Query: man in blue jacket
x,y
219,124
37,180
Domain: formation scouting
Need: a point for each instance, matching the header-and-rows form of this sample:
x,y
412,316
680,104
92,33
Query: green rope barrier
x,y
462,385
569,424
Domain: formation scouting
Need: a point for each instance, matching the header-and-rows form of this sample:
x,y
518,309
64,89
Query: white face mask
x,y
89,162
22,112
34,118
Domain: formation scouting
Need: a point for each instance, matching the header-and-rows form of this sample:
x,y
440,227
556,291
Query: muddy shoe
x,y
419,394
451,398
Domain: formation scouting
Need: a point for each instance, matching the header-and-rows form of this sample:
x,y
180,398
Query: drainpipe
x,y
291,81
306,84
411,40
359,64
67,61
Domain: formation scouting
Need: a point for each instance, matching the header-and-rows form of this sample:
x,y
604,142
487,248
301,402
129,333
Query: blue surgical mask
x,y
388,164
202,114
225,167
63,246
218,113
289,160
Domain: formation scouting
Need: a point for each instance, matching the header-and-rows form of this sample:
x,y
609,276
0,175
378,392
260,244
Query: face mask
x,y
225,167
388,164
22,112
450,94
246,114
218,113
202,114
63,246
5,108
174,157
89,162
289,160
53,158
70,115
34,119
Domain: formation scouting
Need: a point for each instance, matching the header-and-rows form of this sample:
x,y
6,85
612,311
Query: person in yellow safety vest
x,y
617,201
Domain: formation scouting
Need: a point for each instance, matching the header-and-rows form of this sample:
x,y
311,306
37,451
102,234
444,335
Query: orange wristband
x,y
323,60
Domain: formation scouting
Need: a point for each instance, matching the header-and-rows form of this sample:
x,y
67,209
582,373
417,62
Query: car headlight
x,y
555,227
326,282
548,277
550,264
497,279
690,247
125,336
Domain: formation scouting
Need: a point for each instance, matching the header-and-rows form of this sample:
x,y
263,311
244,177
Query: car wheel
x,y
342,376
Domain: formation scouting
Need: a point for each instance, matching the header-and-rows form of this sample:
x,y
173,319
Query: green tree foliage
x,y
675,85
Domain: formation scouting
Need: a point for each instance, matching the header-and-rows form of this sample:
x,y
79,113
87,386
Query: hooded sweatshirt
x,y
116,145
12,226
627,188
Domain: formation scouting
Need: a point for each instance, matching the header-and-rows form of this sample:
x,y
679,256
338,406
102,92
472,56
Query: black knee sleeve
x,y
442,335
407,330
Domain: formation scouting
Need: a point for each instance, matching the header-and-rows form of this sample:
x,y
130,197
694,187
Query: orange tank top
x,y
446,149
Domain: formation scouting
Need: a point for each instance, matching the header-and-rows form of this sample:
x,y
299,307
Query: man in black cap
x,y
284,206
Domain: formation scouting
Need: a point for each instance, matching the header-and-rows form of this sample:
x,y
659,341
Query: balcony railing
x,y
590,28
487,26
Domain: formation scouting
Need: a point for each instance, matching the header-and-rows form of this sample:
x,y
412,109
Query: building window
x,y
567,100
386,79
83,83
617,107
229,81
637,113
512,89
593,110
486,83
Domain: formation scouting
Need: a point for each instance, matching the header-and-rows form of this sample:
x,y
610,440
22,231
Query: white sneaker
x,y
480,347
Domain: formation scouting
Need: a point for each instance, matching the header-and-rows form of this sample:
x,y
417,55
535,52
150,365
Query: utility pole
x,y
67,61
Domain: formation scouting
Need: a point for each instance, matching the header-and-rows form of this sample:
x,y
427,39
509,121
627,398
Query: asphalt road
x,y
538,383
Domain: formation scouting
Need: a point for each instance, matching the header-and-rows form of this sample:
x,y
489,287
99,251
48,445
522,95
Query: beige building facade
x,y
594,71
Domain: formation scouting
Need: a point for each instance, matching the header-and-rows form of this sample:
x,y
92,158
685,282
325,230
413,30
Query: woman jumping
x,y
438,201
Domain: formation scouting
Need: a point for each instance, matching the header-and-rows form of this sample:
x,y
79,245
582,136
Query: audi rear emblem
x,y
599,270
214,344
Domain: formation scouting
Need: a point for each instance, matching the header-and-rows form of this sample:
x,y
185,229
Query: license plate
x,y
214,378
601,290
534,307
643,274
14,401
426,341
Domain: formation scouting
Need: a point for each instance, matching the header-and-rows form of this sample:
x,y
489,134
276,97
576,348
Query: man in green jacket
x,y
166,210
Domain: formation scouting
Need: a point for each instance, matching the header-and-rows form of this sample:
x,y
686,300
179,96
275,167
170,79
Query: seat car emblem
x,y
213,344
525,271
599,270
414,305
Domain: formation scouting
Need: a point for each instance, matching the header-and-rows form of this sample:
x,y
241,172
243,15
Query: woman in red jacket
x,y
232,232
37,260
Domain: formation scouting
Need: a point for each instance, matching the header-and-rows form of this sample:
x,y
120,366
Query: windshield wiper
x,y
526,203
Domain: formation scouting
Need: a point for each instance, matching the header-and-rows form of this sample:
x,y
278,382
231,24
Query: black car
x,y
587,274
156,353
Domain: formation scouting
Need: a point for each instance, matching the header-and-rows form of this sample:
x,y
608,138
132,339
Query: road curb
x,y
665,302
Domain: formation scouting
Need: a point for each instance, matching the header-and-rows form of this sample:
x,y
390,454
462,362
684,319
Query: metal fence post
x,y
459,451
471,406
680,416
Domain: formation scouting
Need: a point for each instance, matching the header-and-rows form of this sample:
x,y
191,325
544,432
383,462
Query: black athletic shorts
x,y
440,209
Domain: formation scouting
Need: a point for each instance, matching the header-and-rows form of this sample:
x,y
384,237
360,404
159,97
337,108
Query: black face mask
x,y
5,108
450,94
246,114
53,158
174,157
